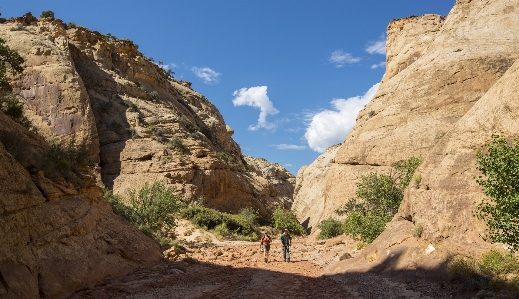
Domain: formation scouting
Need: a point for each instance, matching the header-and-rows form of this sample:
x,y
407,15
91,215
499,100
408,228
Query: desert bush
x,y
495,270
225,225
495,263
330,228
498,162
154,95
223,156
286,219
151,209
47,14
159,134
177,145
250,214
365,227
189,126
11,106
378,197
417,230
17,28
10,61
59,160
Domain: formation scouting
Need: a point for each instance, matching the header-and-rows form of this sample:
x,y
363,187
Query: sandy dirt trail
x,y
237,270
230,270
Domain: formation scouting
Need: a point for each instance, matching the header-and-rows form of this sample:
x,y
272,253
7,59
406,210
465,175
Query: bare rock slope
x,y
450,83
100,97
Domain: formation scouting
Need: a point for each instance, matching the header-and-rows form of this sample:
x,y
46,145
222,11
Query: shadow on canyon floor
x,y
253,279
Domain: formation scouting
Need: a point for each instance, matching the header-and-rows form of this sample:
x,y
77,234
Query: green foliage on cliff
x,y
498,163
47,14
378,197
11,106
10,61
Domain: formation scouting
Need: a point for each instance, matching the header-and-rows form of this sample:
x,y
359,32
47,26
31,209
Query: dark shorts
x,y
266,247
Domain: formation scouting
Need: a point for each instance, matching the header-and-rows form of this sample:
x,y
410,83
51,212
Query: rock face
x,y
450,83
135,124
154,128
58,233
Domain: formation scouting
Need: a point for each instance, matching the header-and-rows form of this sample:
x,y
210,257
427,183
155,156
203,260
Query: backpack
x,y
265,240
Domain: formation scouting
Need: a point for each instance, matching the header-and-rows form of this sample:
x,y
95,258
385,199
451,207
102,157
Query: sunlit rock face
x,y
137,125
450,82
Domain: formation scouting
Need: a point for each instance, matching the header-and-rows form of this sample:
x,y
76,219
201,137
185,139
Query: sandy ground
x,y
231,269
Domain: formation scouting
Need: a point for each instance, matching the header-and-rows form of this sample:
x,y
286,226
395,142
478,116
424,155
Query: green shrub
x,y
286,219
47,14
378,197
365,227
417,231
251,214
152,208
177,145
463,268
229,226
330,228
159,134
494,270
498,163
57,161
188,125
11,106
154,95
10,61
494,263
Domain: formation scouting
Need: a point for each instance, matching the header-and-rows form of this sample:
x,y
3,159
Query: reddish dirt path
x,y
235,270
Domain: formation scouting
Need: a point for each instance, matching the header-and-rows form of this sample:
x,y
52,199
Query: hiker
x,y
265,246
286,241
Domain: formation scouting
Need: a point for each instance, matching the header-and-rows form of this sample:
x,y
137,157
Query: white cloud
x,y
283,146
378,47
330,127
206,74
256,97
288,165
382,64
340,58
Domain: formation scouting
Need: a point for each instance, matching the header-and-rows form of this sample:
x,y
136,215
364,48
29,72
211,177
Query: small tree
x,y
498,163
152,208
378,197
10,61
47,14
282,219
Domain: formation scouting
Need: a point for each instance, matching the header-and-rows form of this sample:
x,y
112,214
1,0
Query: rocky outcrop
x,y
438,75
99,97
57,236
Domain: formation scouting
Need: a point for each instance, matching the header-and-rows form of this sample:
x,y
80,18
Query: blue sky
x,y
288,76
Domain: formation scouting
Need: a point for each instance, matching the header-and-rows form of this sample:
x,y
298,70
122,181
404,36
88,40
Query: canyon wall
x,y
450,83
131,123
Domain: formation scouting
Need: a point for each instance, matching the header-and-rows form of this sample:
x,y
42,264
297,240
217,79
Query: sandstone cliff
x,y
135,124
449,84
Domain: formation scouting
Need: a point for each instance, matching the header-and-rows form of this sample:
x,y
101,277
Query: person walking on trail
x,y
286,241
265,246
